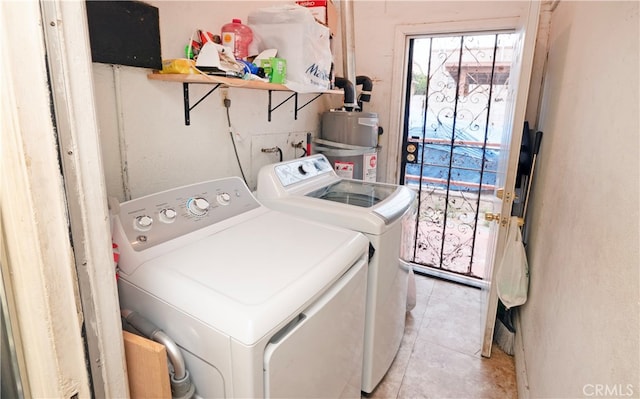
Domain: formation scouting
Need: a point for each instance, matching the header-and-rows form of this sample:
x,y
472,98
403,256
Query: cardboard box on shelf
x,y
324,11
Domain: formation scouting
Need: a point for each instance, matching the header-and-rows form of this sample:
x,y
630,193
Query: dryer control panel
x,y
157,218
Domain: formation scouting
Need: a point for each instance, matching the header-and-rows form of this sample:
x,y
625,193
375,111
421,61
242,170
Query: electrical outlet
x,y
224,93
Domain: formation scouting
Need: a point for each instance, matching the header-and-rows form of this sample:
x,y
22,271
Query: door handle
x,y
491,217
495,217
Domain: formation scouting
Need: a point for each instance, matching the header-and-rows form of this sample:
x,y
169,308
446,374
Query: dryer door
x,y
319,354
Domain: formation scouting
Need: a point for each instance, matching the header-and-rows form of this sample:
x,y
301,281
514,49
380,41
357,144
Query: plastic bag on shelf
x,y
299,39
179,65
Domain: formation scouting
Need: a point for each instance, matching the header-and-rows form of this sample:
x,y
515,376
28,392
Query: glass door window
x,y
456,93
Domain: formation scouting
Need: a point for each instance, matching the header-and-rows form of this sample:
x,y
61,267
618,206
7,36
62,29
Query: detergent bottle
x,y
238,37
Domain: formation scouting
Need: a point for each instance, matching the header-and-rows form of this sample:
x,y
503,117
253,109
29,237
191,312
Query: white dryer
x,y
309,187
260,303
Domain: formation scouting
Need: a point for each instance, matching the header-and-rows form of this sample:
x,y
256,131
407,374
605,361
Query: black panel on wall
x,y
124,33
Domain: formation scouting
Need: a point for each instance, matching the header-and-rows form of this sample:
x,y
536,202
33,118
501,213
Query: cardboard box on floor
x,y
324,12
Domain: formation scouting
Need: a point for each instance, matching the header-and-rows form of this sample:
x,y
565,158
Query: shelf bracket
x,y
270,109
187,108
296,108
305,104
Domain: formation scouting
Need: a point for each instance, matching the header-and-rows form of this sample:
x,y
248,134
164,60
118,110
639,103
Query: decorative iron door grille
x,y
455,95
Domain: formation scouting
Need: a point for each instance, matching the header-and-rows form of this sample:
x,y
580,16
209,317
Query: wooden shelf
x,y
227,82
218,81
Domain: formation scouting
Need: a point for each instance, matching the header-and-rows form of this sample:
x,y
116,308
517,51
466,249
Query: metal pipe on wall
x,y
122,140
348,41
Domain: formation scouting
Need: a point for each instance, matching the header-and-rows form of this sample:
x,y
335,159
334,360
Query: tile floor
x,y
440,354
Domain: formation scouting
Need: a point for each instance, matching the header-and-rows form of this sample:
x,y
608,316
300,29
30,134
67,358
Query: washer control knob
x,y
304,169
143,223
168,215
198,206
223,198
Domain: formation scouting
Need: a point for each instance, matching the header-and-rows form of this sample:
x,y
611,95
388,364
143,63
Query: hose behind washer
x,y
181,384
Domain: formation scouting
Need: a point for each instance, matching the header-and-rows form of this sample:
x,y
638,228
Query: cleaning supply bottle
x,y
238,37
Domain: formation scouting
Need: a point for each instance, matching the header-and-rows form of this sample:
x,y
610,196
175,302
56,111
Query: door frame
x,y
526,24
56,238
71,83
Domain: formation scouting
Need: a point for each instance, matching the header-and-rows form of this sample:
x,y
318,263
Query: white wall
x,y
580,326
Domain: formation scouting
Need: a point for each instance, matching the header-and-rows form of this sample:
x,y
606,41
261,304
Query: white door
x,y
516,107
524,28
455,120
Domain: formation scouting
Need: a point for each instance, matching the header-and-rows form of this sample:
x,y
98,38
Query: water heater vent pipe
x,y
348,41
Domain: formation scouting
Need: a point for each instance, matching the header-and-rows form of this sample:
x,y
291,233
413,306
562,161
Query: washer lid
x,y
387,201
375,220
247,279
309,187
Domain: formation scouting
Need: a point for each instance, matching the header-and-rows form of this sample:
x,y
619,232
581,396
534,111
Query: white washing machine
x,y
260,303
309,187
